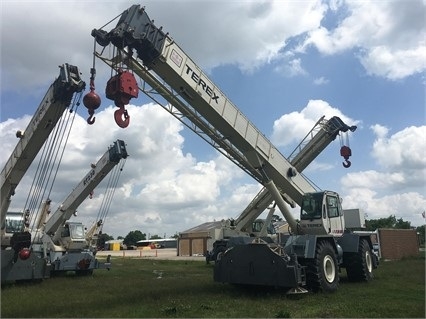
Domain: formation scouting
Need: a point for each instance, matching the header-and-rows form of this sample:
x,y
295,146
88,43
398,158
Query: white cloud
x,y
395,64
404,150
294,126
398,190
165,189
291,68
372,180
161,189
388,34
321,81
8,137
245,33
379,130
405,205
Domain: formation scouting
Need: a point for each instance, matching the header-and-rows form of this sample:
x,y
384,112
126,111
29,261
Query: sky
x,y
283,63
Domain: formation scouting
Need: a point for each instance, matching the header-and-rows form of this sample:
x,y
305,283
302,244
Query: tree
x,y
389,222
133,237
401,224
102,239
155,237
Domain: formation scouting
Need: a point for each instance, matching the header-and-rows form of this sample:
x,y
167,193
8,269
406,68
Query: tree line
x,y
393,222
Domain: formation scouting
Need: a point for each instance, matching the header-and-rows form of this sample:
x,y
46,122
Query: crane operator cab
x,y
13,224
259,224
73,236
322,214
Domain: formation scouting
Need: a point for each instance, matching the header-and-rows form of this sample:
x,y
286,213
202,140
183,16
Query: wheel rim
x,y
329,268
368,261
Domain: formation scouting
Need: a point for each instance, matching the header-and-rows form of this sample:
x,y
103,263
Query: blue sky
x,y
283,63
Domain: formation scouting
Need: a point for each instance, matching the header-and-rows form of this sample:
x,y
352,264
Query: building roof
x,y
204,227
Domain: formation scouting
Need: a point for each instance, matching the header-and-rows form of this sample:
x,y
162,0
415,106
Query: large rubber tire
x,y
359,266
322,272
215,256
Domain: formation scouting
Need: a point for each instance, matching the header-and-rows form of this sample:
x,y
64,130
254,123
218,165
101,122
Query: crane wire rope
x,y
39,181
50,157
109,194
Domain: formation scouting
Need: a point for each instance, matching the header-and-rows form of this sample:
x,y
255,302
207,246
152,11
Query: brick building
x,y
398,243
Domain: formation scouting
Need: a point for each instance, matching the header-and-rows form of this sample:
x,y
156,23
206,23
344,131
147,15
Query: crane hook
x,y
122,118
91,118
346,152
91,100
347,164
121,88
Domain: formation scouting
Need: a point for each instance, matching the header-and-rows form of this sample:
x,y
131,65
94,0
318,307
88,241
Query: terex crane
x,y
17,262
319,137
64,243
60,244
319,244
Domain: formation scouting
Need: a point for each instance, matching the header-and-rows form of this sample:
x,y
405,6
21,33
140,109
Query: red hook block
x,y
122,118
121,88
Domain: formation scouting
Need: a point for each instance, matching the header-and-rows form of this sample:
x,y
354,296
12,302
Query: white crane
x,y
63,243
309,258
65,92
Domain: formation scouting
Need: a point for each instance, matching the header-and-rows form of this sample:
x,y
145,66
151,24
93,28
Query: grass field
x,y
152,288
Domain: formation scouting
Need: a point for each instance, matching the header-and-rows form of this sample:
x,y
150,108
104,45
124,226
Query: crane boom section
x,y
57,99
162,55
97,173
320,136
187,77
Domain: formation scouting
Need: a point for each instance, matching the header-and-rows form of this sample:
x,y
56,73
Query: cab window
x,y
332,206
77,231
311,207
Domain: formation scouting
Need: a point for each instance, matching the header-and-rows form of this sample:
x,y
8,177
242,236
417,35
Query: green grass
x,y
151,288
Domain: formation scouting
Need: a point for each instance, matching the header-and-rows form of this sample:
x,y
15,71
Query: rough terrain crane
x,y
247,223
319,244
17,262
63,243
